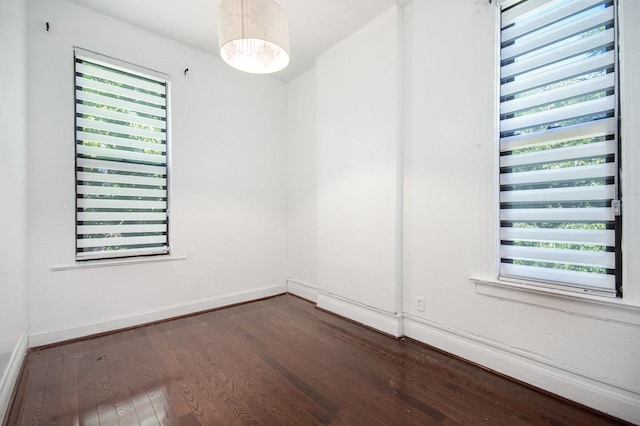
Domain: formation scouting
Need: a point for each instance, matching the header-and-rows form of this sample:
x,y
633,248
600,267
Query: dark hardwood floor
x,y
271,362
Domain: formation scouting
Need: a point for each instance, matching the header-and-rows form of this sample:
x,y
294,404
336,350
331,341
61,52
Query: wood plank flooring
x,y
272,362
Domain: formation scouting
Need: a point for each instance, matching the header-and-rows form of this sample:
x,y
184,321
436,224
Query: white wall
x,y
357,140
585,349
228,192
14,324
229,189
301,186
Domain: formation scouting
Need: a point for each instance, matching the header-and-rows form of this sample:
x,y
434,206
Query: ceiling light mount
x,y
253,35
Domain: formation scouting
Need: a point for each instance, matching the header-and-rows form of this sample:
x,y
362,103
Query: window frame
x,y
550,286
142,73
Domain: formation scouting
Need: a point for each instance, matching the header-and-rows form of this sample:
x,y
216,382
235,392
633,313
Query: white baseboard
x,y
529,368
387,322
53,336
538,371
378,319
9,378
301,289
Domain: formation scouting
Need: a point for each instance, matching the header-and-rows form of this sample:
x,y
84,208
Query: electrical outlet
x,y
420,302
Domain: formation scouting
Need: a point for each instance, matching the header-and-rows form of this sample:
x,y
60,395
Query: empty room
x,y
319,212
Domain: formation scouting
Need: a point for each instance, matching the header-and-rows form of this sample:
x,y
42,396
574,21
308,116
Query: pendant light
x,y
253,35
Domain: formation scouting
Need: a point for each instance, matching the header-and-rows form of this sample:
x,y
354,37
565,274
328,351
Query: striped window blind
x,y
559,201
121,162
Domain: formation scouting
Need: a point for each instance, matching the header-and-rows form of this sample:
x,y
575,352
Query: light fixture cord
x,y
242,17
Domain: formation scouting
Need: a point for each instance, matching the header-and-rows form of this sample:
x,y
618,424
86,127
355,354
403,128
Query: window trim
x,y
550,288
116,261
586,305
131,68
484,276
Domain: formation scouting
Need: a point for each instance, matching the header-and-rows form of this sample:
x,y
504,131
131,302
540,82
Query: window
x,y
121,160
560,217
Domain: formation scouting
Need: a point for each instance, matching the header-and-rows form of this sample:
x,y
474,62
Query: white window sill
x,y
91,264
588,306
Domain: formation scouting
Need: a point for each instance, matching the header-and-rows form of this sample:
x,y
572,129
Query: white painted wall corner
x,y
302,289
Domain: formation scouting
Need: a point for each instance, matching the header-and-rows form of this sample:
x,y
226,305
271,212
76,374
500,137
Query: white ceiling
x,y
314,25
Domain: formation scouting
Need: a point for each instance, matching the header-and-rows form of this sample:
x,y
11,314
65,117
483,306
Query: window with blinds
x,y
121,161
559,145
